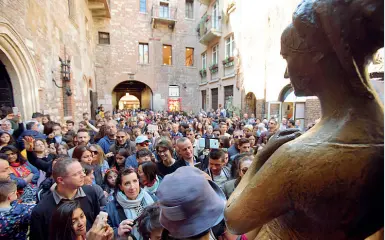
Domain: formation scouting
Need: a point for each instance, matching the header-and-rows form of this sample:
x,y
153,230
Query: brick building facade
x,y
151,54
33,36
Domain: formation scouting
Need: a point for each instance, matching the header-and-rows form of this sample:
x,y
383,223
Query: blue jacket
x,y
131,162
20,181
34,134
105,143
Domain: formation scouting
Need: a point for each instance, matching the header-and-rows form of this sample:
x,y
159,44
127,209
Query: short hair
x,y
85,113
37,114
87,168
148,221
83,130
60,168
29,125
217,154
216,130
70,121
164,143
243,141
6,187
292,122
121,174
123,152
143,153
222,124
83,123
182,140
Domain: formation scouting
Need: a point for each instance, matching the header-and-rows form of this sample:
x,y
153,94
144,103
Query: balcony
x,y
209,29
100,8
163,14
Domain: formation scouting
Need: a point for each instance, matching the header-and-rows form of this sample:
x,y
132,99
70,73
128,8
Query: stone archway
x,y
21,69
135,88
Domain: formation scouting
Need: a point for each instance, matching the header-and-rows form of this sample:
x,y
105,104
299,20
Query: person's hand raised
x,y
29,143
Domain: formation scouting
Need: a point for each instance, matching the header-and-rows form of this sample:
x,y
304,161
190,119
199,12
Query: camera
x,y
208,143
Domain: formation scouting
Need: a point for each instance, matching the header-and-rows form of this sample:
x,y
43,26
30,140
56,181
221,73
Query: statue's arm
x,y
260,198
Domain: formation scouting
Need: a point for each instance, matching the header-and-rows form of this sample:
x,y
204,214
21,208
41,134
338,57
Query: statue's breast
x,y
336,184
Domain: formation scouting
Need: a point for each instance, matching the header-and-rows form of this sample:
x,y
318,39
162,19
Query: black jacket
x,y
41,214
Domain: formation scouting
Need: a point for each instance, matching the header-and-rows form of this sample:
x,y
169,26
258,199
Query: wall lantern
x,y
65,69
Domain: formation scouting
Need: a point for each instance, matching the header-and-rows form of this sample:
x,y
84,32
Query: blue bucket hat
x,y
189,203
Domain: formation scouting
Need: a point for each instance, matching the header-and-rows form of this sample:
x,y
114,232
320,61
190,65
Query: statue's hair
x,y
353,30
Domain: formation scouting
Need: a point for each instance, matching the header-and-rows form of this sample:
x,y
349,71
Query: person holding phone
x,y
128,204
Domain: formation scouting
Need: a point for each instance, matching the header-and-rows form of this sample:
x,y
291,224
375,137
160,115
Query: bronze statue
x,y
327,183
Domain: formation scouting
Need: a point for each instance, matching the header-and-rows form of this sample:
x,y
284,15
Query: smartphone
x,y
102,218
134,222
15,110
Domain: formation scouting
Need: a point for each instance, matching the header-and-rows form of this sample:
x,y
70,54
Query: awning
x,y
293,98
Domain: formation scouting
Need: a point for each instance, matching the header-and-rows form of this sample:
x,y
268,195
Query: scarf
x,y
20,171
134,208
153,187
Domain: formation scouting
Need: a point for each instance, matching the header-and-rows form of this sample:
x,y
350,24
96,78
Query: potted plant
x,y
203,73
228,60
213,68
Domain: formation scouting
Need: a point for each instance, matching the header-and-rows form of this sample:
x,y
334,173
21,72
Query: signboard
x,y
174,104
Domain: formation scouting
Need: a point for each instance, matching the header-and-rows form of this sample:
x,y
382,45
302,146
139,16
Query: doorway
x,y
6,91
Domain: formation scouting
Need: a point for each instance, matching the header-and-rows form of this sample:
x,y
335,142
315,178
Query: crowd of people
x,y
134,174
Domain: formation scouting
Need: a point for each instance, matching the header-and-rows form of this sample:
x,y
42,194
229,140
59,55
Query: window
x,y
104,38
215,55
189,57
230,45
164,10
215,16
173,91
214,98
143,53
167,55
189,9
142,6
204,62
229,92
203,99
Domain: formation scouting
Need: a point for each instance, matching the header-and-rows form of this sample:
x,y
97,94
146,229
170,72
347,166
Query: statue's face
x,y
300,63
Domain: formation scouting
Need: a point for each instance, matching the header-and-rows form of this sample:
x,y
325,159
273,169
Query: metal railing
x,y
208,23
163,12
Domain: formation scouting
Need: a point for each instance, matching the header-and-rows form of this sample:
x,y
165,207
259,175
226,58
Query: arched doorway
x,y
141,91
285,97
6,92
129,102
22,84
251,103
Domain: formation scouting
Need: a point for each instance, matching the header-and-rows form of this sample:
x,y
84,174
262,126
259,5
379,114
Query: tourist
x,y
241,168
148,223
132,199
148,176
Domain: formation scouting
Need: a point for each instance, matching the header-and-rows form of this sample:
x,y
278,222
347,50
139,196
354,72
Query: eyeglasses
x,y
244,170
119,136
238,136
144,144
94,152
164,151
271,122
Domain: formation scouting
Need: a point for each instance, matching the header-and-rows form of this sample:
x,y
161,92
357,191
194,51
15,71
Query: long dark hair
x,y
14,149
61,221
149,170
11,139
78,152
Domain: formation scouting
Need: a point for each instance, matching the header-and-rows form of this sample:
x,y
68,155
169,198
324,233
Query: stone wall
x,y
312,111
48,32
127,28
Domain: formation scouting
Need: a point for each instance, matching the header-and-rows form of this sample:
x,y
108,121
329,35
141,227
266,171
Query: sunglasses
x,y
119,136
144,144
237,136
244,170
94,152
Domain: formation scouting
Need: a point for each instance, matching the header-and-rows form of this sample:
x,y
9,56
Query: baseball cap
x,y
141,139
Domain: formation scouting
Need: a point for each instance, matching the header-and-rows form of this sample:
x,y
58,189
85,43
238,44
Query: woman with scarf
x,y
24,173
129,202
148,176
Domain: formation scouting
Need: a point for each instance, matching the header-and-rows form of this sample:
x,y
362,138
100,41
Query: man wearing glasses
x,y
69,177
233,150
141,143
272,129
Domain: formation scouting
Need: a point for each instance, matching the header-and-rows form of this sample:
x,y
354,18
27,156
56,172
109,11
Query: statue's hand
x,y
277,140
